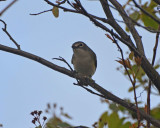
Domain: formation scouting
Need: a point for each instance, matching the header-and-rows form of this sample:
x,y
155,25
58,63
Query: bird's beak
x,y
74,47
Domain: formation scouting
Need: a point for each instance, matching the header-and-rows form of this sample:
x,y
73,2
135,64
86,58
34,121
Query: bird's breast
x,y
84,65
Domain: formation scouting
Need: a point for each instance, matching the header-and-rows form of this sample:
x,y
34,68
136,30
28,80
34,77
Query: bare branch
x,y
34,14
7,7
155,47
113,23
133,83
11,38
62,59
149,84
89,90
130,25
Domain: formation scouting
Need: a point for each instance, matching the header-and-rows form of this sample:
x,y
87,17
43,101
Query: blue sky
x,y
27,85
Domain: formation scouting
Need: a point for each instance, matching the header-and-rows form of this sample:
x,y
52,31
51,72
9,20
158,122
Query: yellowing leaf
x,y
131,55
156,66
103,120
55,11
135,15
138,60
125,63
131,88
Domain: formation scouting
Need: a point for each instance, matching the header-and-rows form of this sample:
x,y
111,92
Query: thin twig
x,y
133,82
155,47
11,38
89,90
69,10
130,26
7,7
62,59
34,14
150,83
59,3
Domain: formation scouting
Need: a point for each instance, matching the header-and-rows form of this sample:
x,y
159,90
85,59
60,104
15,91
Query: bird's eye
x,y
80,45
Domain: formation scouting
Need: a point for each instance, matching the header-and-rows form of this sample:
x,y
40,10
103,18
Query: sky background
x,y
27,85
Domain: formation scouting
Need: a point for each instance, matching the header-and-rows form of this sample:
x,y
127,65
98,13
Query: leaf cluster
x,y
138,16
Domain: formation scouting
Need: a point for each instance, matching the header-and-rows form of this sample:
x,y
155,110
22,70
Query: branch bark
x,y
130,25
157,1
113,22
92,84
7,6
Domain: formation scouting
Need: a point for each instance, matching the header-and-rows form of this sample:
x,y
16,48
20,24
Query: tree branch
x,y
113,22
11,38
90,82
149,84
7,7
133,82
130,25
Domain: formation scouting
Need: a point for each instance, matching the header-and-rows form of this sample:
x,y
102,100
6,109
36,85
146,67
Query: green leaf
x,y
131,88
55,11
135,15
126,125
127,29
131,55
64,125
66,115
156,113
156,66
140,72
149,22
151,6
113,107
103,120
121,108
114,120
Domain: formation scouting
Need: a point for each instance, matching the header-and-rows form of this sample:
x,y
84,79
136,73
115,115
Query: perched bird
x,y
84,59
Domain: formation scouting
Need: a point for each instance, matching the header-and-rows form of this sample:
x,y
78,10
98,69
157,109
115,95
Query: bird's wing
x,y
95,58
72,59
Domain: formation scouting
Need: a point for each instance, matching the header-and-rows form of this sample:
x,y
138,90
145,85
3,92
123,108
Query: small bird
x,y
84,59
